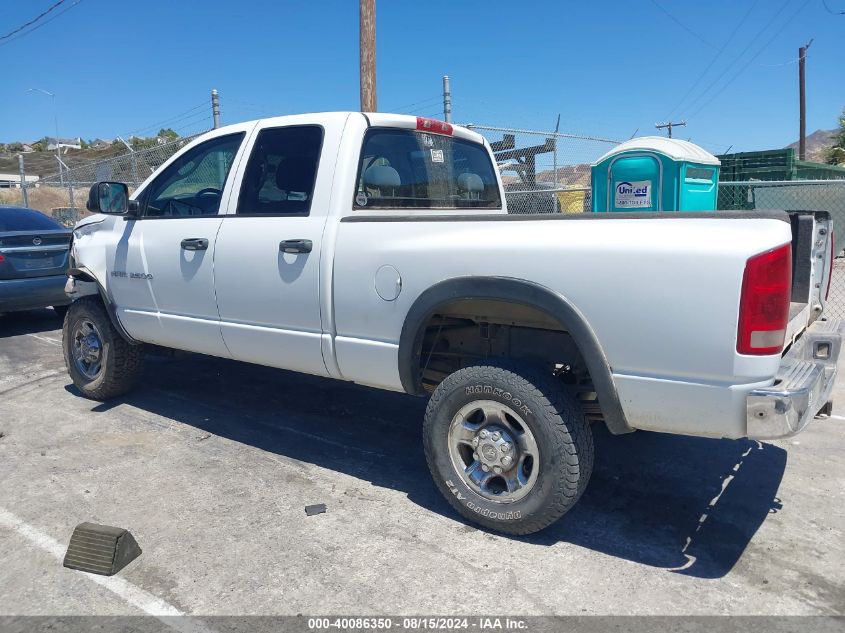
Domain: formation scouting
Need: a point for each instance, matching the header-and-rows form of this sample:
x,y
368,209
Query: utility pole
x,y
367,28
23,181
447,100
802,105
215,107
669,125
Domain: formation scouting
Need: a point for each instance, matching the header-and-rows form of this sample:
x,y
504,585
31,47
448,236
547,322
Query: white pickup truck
x,y
377,248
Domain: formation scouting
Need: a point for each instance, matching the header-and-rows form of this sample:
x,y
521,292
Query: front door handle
x,y
295,246
195,244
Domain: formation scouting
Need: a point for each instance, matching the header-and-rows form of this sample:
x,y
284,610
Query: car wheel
x,y
508,446
101,363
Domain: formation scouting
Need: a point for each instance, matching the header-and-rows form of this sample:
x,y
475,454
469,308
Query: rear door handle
x,y
195,244
295,246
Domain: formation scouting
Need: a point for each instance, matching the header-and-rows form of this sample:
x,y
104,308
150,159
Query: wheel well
x,y
87,285
467,331
529,320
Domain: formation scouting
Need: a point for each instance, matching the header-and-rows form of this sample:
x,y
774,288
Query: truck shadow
x,y
688,505
29,322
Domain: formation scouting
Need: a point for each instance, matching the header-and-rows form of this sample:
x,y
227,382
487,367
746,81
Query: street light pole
x,y
52,96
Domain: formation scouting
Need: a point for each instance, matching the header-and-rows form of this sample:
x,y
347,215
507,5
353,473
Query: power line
x,y
831,11
750,61
791,61
193,125
40,24
32,21
252,106
423,103
682,25
712,61
174,119
736,59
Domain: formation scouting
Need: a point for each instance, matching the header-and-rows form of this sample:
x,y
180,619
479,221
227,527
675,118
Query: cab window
x,y
193,184
282,169
405,169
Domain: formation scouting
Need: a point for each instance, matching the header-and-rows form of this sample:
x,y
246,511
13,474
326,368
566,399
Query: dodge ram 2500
x,y
377,248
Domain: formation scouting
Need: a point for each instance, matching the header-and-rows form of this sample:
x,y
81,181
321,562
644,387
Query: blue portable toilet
x,y
655,173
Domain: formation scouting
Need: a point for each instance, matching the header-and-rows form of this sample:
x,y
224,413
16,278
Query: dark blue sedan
x,y
33,261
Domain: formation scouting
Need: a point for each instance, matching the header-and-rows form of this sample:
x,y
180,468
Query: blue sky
x,y
609,68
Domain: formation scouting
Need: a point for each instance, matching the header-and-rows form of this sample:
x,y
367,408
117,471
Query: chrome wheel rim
x,y
87,349
493,451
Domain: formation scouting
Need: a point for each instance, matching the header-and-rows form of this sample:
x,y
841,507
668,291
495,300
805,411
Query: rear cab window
x,y
408,169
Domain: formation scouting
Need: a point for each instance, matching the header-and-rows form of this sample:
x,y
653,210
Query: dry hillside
x,y
817,145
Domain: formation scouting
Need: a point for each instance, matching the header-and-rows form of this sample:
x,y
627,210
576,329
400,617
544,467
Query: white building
x,y
13,181
53,143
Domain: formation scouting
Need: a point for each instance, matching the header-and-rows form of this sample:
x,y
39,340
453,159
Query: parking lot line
x,y
45,339
132,594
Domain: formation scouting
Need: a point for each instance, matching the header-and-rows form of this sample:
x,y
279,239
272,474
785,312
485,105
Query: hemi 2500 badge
x,y
123,273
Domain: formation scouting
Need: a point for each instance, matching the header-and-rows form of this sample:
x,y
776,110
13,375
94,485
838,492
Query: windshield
x,y
409,169
26,220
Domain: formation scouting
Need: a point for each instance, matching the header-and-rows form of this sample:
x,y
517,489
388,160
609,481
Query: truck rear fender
x,y
518,292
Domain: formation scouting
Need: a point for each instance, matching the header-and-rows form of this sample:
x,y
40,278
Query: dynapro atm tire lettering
x,y
485,512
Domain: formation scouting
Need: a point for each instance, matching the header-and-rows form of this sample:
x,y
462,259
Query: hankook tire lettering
x,y
496,391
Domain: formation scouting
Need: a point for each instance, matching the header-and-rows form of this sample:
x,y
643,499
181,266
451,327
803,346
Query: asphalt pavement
x,y
210,464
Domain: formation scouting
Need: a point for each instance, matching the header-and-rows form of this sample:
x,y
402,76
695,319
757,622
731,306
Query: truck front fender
x,y
82,282
517,291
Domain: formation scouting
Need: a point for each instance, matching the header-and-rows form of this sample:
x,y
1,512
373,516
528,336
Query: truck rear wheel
x,y
508,446
101,363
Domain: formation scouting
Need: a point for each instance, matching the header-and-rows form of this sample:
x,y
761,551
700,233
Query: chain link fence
x,y
545,172
542,172
798,195
63,194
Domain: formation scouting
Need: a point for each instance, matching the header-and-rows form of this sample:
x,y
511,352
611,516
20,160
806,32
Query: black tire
x,y
121,361
60,311
555,419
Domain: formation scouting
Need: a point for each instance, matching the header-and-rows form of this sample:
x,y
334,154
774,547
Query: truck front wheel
x,y
508,446
101,363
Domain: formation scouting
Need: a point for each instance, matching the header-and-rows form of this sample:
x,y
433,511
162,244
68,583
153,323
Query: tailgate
x,y
812,261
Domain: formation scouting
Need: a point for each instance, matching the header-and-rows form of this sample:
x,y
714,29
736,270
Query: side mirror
x,y
108,197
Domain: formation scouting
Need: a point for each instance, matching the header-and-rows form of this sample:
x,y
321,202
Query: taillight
x,y
2,258
764,302
830,268
425,124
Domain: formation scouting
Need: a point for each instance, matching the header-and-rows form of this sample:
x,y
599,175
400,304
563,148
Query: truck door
x,y
161,271
267,262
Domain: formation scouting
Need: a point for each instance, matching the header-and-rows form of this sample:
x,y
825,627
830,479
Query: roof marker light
x,y
424,124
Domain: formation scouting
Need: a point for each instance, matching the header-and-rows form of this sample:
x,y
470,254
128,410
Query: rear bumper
x,y
31,293
802,386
